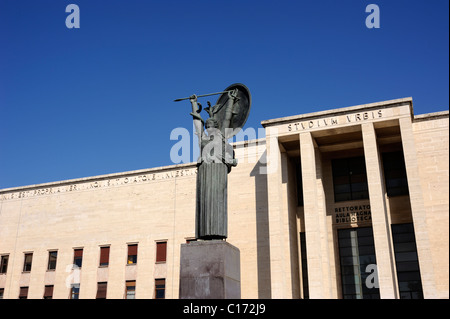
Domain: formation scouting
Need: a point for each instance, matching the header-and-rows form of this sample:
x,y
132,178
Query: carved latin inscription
x,y
332,121
110,182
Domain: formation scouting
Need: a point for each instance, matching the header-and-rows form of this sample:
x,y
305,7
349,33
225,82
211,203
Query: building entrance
x,y
356,252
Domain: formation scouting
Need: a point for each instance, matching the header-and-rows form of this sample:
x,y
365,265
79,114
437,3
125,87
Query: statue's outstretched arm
x,y
198,121
232,98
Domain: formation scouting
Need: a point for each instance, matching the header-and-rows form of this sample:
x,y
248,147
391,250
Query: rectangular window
x,y
104,256
395,174
101,290
78,257
160,288
52,256
132,254
2,291
161,251
27,262
356,252
350,179
48,292
4,264
407,261
130,289
23,294
75,291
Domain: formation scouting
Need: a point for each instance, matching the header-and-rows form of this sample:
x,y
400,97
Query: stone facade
x,y
265,217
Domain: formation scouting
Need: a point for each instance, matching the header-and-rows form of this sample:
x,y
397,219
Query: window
x,y
132,254
160,288
406,261
23,294
48,292
4,264
52,256
130,289
75,291
78,257
2,291
104,256
356,252
350,179
27,262
101,290
395,174
161,249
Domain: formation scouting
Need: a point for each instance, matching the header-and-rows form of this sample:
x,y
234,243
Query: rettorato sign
x,y
352,214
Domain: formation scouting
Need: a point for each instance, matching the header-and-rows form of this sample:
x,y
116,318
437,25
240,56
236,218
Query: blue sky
x,y
99,99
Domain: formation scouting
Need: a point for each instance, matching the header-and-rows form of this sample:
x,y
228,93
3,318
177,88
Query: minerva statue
x,y
216,158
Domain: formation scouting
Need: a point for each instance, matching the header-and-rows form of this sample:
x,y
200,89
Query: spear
x,y
187,98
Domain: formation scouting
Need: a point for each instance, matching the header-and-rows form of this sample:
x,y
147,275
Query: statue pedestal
x,y
210,270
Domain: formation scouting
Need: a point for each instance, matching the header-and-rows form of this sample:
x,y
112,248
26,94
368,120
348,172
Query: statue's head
x,y
211,123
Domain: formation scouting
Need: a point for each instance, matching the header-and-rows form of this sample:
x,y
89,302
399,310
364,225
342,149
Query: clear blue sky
x,y
98,99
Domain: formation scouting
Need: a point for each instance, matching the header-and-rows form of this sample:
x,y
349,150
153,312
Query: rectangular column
x,y
283,234
315,220
380,221
418,209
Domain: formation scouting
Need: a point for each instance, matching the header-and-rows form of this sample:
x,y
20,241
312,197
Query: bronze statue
x,y
216,158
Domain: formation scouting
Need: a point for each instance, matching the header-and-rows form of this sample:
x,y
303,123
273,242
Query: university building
x,y
345,203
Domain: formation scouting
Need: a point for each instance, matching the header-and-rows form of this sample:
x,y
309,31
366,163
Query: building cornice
x,y
340,111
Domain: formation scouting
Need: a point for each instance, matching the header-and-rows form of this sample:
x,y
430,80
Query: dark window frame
x,y
356,248
48,292
4,264
23,293
161,251
132,254
102,290
27,262
160,288
130,286
407,261
52,260
74,291
350,179
395,177
105,252
78,257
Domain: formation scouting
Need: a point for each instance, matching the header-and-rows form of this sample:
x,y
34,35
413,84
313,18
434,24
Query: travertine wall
x,y
431,137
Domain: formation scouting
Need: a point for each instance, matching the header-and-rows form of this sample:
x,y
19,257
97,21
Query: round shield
x,y
240,111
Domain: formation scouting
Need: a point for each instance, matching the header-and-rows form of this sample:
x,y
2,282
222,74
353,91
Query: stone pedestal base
x,y
210,270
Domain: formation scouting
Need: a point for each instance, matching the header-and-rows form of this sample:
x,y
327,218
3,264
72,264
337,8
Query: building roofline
x,y
99,177
431,116
339,111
